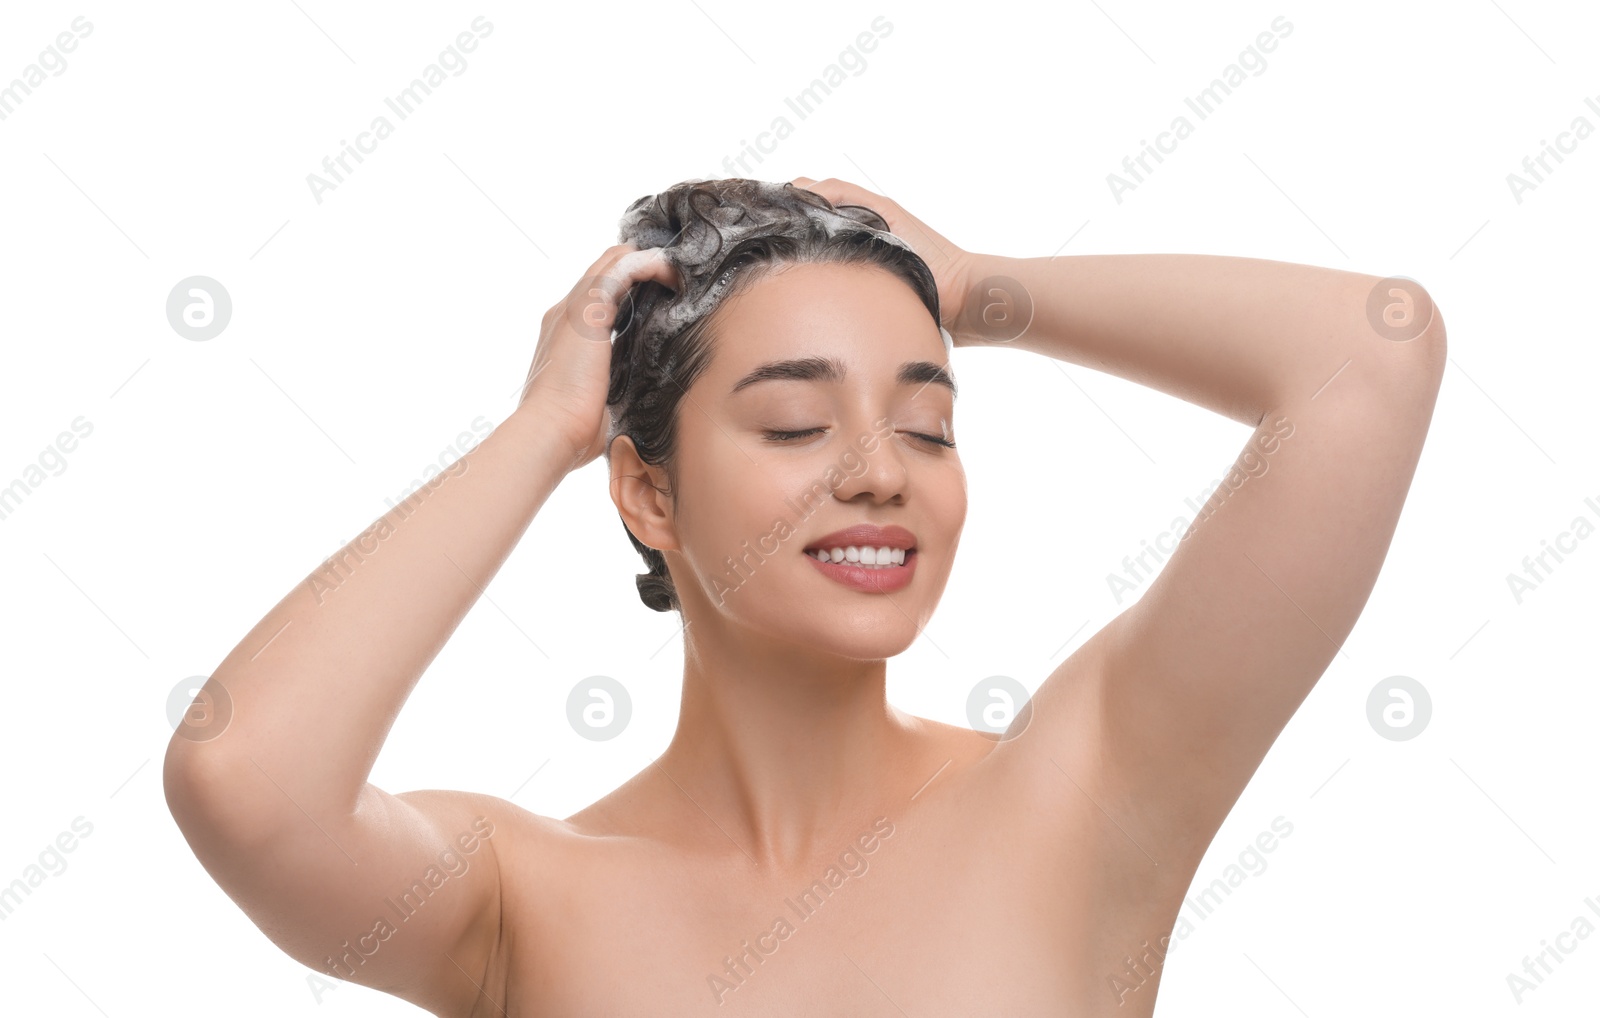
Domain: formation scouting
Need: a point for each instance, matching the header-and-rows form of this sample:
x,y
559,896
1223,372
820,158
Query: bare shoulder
x,y
1053,735
503,826
489,839
1046,777
960,747
625,810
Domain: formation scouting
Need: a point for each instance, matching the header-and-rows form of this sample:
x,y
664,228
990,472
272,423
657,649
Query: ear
x,y
639,492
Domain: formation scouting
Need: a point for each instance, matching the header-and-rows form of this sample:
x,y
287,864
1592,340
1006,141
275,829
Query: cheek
x,y
729,502
952,494
949,505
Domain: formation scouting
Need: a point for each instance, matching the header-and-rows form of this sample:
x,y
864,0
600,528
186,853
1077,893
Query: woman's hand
x,y
571,368
950,264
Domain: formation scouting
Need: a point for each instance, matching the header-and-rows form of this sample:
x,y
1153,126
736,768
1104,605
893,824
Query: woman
x,y
777,412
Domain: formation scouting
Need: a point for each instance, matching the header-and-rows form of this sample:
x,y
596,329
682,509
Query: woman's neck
x,y
785,751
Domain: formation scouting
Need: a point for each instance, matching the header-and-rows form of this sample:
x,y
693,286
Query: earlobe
x,y
640,494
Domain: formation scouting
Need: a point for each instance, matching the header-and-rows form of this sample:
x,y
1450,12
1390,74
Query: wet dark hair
x,y
720,235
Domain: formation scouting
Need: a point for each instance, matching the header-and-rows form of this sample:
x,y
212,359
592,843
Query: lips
x,y
866,535
866,579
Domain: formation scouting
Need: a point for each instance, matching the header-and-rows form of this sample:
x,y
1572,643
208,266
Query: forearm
x,y
316,685
1240,336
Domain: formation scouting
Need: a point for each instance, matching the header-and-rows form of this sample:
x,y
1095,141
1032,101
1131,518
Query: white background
x,y
372,328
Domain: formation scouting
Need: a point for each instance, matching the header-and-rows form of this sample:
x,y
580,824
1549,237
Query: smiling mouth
x,y
863,556
866,577
869,557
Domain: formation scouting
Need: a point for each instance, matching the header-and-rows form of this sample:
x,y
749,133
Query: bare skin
x,y
950,873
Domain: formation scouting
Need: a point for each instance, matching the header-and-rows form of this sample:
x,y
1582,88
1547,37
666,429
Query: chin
x,y
871,642
858,627
812,609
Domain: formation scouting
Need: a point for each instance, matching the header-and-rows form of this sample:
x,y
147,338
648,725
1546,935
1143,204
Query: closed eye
x,y
786,436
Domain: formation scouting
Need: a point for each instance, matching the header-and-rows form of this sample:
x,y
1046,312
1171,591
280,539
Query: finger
x,y
844,192
609,257
591,305
649,263
622,266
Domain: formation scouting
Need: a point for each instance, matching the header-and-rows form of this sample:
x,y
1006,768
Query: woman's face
x,y
810,418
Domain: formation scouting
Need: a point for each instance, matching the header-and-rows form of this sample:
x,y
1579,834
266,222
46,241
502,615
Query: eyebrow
x,y
830,369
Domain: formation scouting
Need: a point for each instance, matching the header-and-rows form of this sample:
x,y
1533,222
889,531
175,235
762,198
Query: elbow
x,y
184,781
1432,349
1414,373
225,803
205,795
1407,327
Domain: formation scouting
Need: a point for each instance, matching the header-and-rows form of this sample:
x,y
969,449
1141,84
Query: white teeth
x,y
872,558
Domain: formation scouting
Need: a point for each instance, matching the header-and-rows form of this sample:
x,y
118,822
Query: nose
x,y
881,477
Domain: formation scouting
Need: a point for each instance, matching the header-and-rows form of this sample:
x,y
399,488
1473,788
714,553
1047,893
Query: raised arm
x,y
1163,715
267,778
1179,698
